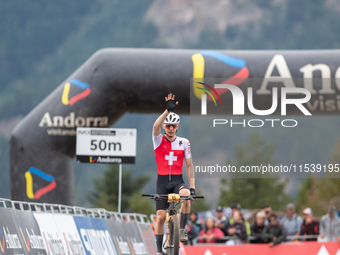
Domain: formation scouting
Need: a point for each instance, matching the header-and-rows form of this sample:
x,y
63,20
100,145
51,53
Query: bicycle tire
x,y
174,235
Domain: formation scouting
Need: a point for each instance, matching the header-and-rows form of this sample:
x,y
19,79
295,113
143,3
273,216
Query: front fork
x,y
167,229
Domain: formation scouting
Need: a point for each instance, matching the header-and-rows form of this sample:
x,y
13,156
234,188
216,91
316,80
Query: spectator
x,y
193,226
291,222
310,226
257,228
237,207
267,210
330,225
211,233
237,229
220,218
274,233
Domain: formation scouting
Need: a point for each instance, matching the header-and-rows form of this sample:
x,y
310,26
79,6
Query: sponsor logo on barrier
x,y
42,191
97,240
25,237
123,247
65,97
12,240
137,247
2,242
54,245
32,241
60,234
74,244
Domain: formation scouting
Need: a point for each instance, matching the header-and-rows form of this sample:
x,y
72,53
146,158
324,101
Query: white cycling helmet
x,y
172,118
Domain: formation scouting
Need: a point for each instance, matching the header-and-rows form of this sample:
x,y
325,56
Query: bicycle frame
x,y
173,200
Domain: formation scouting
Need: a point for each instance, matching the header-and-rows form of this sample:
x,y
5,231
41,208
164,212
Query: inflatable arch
x,y
115,81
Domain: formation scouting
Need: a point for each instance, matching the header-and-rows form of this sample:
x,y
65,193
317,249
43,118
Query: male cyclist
x,y
170,150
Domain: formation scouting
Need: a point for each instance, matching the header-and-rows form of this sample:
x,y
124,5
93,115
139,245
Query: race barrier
x,y
52,229
310,248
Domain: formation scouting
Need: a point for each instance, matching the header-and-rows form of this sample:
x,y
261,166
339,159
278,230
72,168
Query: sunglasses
x,y
168,126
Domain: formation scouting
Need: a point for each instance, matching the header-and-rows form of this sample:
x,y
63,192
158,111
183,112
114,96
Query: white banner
x,y
60,234
106,145
68,229
54,242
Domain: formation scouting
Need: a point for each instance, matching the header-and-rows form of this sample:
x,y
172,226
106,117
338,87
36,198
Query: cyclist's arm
x,y
158,123
188,163
189,172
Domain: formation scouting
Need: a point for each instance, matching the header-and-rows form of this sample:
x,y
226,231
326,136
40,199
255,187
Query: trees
x,y
106,192
318,193
254,192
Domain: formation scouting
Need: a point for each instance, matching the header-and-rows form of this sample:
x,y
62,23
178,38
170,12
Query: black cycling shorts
x,y
165,185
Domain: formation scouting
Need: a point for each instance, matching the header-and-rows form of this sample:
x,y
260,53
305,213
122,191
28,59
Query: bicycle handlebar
x,y
160,196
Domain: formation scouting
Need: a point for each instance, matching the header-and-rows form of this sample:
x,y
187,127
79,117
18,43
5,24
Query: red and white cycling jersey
x,y
170,155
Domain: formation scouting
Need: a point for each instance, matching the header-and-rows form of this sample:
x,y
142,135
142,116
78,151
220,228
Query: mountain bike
x,y
171,244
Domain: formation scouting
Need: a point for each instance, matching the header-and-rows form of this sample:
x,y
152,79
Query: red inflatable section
x,y
308,248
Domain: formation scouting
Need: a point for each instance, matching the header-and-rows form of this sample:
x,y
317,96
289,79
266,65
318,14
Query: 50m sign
x,y
103,145
106,145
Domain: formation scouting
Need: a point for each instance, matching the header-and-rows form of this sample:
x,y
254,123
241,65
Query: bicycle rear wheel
x,y
174,235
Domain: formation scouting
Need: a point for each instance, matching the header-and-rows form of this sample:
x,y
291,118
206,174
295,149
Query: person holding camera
x,y
236,230
267,210
274,233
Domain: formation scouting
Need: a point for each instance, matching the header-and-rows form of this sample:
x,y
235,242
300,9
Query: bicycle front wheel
x,y
174,235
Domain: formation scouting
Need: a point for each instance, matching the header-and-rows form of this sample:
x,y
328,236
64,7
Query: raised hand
x,y
170,102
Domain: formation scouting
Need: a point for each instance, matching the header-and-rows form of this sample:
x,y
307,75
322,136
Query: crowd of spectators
x,y
267,227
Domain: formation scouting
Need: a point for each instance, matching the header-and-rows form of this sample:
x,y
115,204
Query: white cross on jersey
x,y
171,158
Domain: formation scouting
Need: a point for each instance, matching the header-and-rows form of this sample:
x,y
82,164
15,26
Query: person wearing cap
x,y
257,228
220,218
274,233
291,222
310,226
330,225
235,207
